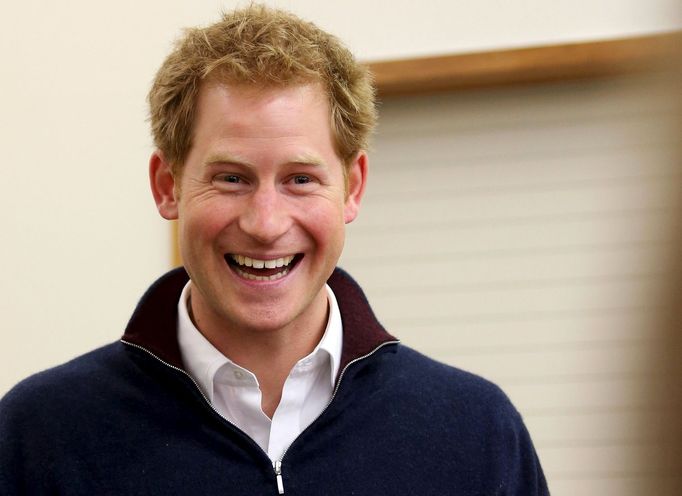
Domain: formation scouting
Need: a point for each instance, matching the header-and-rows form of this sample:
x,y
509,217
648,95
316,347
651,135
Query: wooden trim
x,y
526,65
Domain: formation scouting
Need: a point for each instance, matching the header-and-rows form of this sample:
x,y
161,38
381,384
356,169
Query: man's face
x,y
261,205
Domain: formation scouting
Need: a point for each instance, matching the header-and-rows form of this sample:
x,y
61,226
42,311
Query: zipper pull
x,y
278,475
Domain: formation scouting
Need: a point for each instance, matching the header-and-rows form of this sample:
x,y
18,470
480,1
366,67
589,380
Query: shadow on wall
x,y
668,391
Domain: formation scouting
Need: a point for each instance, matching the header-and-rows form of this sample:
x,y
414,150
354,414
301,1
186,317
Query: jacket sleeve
x,y
22,446
11,452
517,463
525,476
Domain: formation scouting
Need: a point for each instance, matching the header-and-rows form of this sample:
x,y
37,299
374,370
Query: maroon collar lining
x,y
153,325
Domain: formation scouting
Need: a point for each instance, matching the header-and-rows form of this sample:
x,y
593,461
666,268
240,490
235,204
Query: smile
x,y
255,269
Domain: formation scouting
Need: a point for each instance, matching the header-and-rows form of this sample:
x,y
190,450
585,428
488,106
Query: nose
x,y
265,217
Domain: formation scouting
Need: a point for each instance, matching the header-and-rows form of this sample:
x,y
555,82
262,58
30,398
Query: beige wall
x,y
80,236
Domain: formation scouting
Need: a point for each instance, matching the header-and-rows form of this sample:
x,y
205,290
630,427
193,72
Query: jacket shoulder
x,y
44,412
478,413
432,377
75,377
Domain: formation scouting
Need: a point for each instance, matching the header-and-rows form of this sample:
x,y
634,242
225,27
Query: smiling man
x,y
262,201
259,367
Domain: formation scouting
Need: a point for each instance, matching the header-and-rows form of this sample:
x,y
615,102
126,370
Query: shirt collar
x,y
332,339
202,360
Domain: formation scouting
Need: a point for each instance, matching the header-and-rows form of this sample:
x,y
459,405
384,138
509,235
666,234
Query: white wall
x,y
80,236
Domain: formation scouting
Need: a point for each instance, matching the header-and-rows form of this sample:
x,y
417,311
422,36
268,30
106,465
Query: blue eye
x,y
301,179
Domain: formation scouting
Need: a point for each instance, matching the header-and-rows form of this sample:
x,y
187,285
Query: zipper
x,y
196,385
178,369
278,475
277,464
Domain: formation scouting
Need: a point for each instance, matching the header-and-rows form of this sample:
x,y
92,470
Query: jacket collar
x,y
153,325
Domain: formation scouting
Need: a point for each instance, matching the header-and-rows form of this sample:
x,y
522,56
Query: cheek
x,y
326,225
204,223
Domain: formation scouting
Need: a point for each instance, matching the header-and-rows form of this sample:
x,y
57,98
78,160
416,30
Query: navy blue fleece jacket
x,y
126,419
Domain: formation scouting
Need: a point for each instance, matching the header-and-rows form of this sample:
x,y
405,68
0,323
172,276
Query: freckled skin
x,y
262,179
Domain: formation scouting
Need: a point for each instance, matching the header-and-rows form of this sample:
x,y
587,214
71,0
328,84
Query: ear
x,y
163,186
357,180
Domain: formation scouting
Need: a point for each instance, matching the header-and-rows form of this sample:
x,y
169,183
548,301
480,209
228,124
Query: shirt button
x,y
239,374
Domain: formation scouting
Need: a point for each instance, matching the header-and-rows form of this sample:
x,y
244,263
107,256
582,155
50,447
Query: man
x,y
259,368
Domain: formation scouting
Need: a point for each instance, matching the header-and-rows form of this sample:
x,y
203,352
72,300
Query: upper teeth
x,y
260,264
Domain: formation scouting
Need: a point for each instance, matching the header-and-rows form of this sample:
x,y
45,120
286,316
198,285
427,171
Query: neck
x,y
269,353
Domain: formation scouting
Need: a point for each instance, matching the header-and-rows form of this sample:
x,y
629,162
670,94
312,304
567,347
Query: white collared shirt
x,y
234,391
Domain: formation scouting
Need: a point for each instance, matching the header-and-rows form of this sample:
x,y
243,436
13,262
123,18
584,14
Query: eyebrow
x,y
224,158
307,159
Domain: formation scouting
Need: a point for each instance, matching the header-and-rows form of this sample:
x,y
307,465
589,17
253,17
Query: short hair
x,y
261,46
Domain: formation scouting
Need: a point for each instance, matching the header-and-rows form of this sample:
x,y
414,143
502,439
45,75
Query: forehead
x,y
257,94
241,103
248,118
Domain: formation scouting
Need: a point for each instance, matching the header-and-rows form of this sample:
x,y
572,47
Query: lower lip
x,y
272,278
